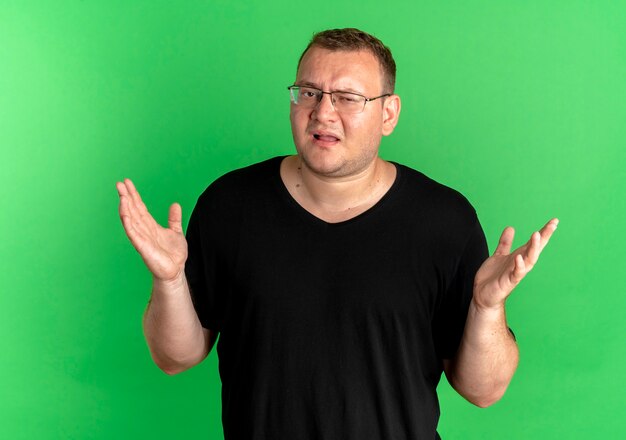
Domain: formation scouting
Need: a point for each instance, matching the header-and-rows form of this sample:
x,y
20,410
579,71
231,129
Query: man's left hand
x,y
500,273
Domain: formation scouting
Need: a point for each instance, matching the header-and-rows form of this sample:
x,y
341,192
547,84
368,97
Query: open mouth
x,y
325,137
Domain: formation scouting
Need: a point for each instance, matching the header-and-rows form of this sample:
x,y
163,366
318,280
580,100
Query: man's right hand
x,y
164,250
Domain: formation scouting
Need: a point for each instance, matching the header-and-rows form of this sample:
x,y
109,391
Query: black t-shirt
x,y
332,331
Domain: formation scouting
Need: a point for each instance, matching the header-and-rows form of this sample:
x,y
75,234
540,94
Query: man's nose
x,y
325,107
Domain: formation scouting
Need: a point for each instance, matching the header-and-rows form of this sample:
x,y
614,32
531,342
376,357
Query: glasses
x,y
343,102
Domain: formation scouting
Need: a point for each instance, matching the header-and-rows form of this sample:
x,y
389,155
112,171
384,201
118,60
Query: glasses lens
x,y
343,102
348,102
305,96
294,93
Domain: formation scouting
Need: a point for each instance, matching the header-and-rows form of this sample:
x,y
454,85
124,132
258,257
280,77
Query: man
x,y
341,285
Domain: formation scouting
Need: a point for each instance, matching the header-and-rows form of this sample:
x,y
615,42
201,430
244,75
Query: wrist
x,y
493,318
177,283
495,310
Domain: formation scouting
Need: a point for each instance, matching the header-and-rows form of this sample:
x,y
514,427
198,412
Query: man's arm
x,y
173,331
486,359
488,355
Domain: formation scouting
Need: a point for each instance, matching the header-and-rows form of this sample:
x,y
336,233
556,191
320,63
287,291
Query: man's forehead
x,y
345,67
322,54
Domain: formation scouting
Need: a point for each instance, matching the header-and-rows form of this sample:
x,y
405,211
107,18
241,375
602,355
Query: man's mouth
x,y
325,137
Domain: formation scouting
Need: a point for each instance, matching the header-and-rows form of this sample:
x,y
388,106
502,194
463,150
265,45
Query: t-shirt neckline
x,y
384,200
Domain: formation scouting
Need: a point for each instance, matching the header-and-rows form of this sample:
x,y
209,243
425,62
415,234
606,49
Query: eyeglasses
x,y
343,102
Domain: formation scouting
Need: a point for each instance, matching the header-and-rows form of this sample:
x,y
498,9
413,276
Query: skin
x,y
172,329
359,134
337,180
488,355
334,178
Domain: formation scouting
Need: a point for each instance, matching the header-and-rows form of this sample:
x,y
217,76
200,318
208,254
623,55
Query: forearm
x,y
487,357
172,329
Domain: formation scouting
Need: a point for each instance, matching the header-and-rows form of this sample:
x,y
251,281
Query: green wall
x,y
521,105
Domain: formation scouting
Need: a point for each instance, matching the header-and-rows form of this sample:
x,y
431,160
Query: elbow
x,y
169,370
481,396
488,399
485,402
169,366
175,361
481,393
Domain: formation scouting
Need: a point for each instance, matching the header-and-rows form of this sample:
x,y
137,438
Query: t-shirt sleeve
x,y
201,267
449,321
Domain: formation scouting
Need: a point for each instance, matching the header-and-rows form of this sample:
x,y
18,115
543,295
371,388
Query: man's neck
x,y
336,199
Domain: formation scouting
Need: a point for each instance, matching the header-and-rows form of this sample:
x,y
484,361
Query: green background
x,y
520,105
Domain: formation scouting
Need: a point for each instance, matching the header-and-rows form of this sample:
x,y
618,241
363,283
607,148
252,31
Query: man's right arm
x,y
173,331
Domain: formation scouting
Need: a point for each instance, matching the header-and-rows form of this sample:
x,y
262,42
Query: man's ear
x,y
391,113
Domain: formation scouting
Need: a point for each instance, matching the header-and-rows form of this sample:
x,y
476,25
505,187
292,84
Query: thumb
x,y
506,240
175,218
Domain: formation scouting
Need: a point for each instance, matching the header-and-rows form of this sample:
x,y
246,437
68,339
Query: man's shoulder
x,y
244,181
431,194
441,213
250,173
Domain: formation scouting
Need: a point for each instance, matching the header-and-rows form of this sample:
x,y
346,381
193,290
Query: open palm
x,y
501,272
164,250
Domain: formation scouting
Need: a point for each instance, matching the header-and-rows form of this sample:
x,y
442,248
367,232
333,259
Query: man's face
x,y
333,144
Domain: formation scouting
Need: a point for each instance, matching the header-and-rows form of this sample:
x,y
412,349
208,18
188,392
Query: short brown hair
x,y
351,39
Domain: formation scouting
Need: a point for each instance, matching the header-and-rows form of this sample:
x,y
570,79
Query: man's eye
x,y
347,98
307,94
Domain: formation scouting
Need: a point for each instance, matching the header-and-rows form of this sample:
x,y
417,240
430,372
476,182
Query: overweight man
x,y
340,285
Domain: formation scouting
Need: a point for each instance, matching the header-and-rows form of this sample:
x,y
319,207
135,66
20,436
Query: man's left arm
x,y
488,355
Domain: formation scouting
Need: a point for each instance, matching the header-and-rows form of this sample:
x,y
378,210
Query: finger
x,y
123,206
134,194
121,189
533,250
141,223
547,231
126,208
506,240
124,191
175,217
519,270
134,233
141,217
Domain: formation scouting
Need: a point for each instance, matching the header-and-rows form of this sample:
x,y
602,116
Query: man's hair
x,y
351,39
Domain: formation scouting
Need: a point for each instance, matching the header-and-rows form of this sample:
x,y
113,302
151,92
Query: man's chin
x,y
323,164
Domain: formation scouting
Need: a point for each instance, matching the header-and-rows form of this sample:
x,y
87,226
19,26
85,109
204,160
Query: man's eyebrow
x,y
307,84
342,89
349,90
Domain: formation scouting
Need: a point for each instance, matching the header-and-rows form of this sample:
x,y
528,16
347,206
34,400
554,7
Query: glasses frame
x,y
332,100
